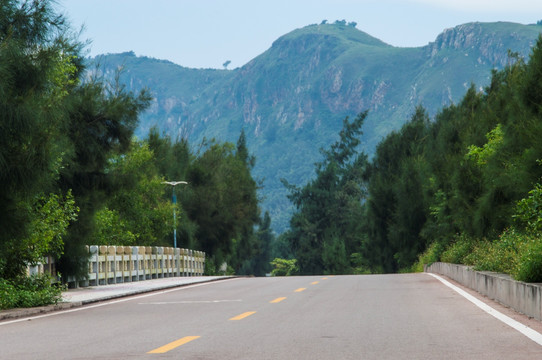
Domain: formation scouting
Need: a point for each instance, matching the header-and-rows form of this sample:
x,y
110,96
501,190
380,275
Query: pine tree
x,y
38,67
324,230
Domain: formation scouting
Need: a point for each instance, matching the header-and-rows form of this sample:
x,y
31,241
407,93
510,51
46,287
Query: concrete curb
x,y
525,298
13,314
149,290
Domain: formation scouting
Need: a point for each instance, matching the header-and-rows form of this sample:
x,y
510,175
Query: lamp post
x,y
174,201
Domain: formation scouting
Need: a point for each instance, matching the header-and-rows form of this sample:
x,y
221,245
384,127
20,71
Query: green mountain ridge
x,y
291,99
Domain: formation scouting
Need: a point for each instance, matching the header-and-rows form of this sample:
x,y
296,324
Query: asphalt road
x,y
410,316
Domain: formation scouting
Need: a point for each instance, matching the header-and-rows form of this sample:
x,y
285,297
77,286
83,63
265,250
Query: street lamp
x,y
174,201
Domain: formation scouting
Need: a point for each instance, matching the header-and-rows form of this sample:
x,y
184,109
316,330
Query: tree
x,y
38,67
222,201
262,252
325,229
396,210
136,212
102,119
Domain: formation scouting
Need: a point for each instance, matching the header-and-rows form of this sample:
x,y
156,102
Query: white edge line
x,y
524,329
189,302
110,302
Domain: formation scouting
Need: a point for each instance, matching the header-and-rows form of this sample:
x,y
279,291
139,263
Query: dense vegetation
x,y
462,188
73,174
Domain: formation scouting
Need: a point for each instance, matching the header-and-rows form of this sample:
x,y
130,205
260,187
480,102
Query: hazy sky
x,y
206,33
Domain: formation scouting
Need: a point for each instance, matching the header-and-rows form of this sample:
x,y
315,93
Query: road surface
x,y
408,316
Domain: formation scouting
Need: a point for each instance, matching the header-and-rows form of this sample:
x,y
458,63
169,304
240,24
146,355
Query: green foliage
x,y
462,183
137,212
480,155
219,208
513,252
529,266
432,254
102,119
359,264
222,200
51,217
71,173
258,263
39,67
500,255
458,250
29,292
529,211
334,257
324,230
284,267
397,208
111,229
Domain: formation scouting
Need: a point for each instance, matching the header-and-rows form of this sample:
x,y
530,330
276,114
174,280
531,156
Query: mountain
x,y
291,99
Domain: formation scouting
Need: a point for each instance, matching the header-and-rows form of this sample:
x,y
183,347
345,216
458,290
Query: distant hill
x,y
291,99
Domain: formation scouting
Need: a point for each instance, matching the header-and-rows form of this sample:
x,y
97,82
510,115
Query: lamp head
x,y
173,183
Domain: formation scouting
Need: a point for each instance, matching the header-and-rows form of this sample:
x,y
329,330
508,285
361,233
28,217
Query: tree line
x,y
462,187
72,173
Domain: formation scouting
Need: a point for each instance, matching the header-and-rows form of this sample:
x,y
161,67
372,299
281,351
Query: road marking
x,y
87,307
243,315
277,300
314,282
173,345
189,302
300,289
324,278
524,329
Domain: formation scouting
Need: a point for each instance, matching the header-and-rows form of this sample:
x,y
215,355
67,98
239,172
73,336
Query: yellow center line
x,y
314,282
173,345
324,278
277,300
243,315
300,290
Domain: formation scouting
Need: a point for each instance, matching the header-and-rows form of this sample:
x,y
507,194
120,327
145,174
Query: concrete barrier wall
x,y
522,297
119,264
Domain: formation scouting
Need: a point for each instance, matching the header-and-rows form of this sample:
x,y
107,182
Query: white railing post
x,y
134,258
177,256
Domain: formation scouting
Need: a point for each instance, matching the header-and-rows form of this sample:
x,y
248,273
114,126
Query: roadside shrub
x,y
7,295
458,250
515,252
430,255
529,210
284,267
210,267
529,264
36,290
500,255
359,263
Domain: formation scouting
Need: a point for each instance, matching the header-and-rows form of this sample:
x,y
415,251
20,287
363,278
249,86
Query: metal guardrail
x,y
120,264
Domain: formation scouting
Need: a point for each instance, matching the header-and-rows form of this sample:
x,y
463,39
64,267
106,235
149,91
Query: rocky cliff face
x,y
490,42
291,99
